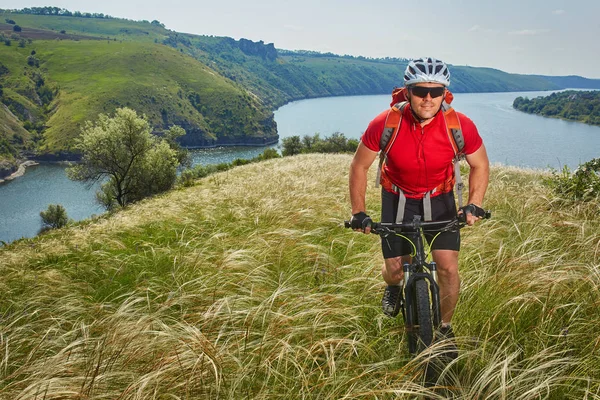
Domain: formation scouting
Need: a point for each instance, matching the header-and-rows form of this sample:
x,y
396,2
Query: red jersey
x,y
421,157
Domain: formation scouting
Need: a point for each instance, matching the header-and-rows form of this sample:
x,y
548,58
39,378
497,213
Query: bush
x,y
336,143
33,61
187,178
240,161
292,146
17,28
268,154
54,217
583,184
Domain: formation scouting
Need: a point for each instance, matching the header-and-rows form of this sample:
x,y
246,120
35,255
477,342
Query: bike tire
x,y
421,335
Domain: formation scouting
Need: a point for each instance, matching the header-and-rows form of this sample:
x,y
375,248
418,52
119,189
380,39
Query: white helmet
x,y
426,70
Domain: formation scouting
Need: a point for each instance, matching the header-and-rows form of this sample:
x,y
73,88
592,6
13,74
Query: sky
x,y
546,37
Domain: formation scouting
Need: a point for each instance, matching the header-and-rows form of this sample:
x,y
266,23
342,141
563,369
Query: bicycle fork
x,y
410,279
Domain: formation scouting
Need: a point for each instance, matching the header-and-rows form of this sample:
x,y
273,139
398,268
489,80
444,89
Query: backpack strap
x,y
389,135
454,130
457,141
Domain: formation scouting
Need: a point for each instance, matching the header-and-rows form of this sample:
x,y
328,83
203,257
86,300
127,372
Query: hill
x,y
63,68
53,86
572,82
292,75
581,106
262,294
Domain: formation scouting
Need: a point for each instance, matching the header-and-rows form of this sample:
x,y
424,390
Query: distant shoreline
x,y
68,157
19,172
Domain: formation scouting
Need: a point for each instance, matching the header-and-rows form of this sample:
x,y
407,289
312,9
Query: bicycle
x,y
420,291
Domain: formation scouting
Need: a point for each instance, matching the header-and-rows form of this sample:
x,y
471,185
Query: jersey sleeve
x,y
470,133
372,135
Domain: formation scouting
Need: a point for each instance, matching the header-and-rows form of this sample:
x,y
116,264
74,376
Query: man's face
x,y
426,99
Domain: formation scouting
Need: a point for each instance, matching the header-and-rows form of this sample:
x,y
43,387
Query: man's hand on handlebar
x,y
471,213
361,222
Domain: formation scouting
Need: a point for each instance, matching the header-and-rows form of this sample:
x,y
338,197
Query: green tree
x,y
123,153
291,146
54,217
171,136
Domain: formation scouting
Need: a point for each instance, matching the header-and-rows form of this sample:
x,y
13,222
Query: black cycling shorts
x,y
443,207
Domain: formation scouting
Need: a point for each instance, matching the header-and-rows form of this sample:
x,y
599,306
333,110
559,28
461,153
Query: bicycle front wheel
x,y
421,335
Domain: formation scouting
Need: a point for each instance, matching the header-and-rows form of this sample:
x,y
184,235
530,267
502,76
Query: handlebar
x,y
417,223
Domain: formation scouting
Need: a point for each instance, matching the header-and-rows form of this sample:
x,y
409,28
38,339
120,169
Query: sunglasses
x,y
422,92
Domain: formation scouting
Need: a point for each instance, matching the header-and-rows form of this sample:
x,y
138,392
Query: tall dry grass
x,y
247,286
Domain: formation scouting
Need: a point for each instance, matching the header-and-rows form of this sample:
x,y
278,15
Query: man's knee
x,y
447,261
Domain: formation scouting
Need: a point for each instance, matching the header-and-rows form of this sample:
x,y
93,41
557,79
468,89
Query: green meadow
x,y
246,285
121,29
92,77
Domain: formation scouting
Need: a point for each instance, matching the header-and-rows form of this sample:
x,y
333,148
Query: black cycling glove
x,y
474,210
360,221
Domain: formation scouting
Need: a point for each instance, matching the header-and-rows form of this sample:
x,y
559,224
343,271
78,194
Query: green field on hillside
x,y
120,29
92,77
246,285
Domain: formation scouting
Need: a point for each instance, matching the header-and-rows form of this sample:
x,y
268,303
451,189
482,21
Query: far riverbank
x,y
19,172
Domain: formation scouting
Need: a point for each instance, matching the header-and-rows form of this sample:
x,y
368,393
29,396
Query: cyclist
x,y
418,178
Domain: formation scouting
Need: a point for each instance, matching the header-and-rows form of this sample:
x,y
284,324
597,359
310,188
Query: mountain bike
x,y
420,292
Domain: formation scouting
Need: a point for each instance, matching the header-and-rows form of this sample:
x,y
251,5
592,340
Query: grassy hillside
x,y
169,87
11,134
121,29
90,77
85,77
247,286
296,75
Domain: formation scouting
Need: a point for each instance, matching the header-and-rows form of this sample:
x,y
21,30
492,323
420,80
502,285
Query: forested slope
x,y
582,106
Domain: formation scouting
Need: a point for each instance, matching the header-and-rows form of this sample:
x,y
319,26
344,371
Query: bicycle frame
x,y
418,269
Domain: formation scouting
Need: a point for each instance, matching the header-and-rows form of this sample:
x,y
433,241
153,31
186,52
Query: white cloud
x,y
558,12
474,28
529,32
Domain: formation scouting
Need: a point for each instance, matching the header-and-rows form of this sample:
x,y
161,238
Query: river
x,y
511,138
